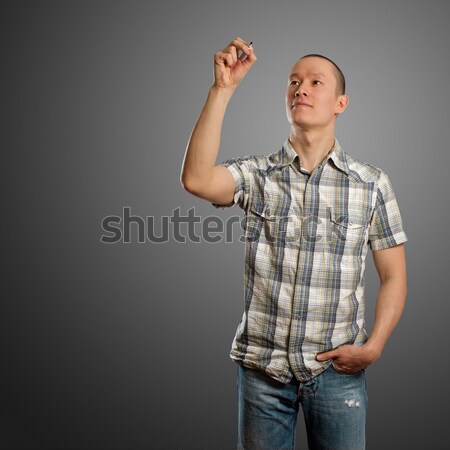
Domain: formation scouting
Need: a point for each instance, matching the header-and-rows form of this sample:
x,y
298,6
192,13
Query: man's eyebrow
x,y
294,75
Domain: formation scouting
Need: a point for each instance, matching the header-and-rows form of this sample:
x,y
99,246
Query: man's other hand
x,y
349,358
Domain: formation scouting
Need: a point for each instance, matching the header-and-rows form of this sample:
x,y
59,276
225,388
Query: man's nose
x,y
300,91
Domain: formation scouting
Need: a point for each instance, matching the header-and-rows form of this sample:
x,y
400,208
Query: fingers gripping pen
x,y
245,56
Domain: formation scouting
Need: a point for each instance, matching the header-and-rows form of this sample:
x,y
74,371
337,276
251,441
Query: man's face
x,y
311,98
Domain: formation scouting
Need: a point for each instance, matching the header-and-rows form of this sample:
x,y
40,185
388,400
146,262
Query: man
x,y
311,212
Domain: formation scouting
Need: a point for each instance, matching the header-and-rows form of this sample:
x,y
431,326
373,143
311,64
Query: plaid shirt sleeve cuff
x,y
387,242
239,189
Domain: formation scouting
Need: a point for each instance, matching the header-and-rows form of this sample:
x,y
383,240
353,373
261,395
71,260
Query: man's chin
x,y
303,124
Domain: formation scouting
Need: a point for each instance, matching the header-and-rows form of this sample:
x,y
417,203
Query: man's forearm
x,y
389,308
203,146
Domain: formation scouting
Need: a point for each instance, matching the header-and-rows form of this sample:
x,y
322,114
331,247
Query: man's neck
x,y
312,147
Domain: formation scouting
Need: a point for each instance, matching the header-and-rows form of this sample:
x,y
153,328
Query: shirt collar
x,y
287,155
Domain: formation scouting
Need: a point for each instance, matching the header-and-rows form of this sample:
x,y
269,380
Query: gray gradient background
x,y
126,345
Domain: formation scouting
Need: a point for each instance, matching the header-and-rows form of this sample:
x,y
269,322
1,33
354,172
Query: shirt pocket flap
x,y
264,222
265,212
348,221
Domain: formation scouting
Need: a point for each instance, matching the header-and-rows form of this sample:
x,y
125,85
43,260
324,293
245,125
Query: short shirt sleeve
x,y
386,226
240,169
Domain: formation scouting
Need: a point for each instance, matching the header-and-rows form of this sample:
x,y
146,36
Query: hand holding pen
x,y
232,63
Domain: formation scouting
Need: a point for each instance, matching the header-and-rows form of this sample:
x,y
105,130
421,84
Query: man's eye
x,y
294,82
317,81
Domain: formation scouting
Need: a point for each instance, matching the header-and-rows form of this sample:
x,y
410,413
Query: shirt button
x,y
268,212
350,223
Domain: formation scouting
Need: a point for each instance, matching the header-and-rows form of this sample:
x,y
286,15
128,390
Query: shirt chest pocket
x,y
346,233
264,224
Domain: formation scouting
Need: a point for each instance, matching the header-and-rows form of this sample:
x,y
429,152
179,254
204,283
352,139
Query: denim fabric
x,y
334,406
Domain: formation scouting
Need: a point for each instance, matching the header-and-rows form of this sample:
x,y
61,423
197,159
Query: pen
x,y
245,56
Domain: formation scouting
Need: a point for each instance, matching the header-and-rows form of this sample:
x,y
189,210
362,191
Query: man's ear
x,y
342,103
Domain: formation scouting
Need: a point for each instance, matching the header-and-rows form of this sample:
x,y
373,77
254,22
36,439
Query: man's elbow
x,y
398,279
191,186
184,183
187,182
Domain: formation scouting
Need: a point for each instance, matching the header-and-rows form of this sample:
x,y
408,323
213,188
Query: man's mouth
x,y
300,105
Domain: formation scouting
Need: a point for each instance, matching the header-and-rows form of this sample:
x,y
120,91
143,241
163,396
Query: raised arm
x,y
199,174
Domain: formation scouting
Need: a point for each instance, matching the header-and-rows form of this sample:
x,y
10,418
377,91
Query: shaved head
x,y
340,79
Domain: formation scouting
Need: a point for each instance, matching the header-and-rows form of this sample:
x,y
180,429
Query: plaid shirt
x,y
306,237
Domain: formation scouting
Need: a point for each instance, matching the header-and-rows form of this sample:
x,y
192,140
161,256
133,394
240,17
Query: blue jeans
x,y
334,406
